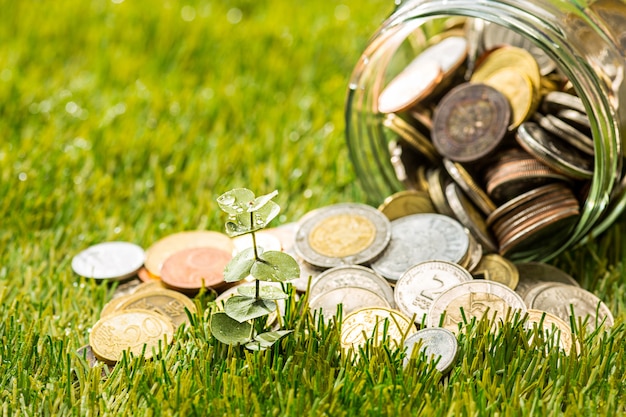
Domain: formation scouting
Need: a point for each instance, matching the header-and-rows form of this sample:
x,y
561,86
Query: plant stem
x,y
256,258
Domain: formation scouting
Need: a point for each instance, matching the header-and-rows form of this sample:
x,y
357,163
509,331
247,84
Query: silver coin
x,y
109,260
422,283
350,299
474,299
558,100
496,35
352,276
560,157
421,237
469,216
560,299
342,234
532,274
437,344
575,119
568,133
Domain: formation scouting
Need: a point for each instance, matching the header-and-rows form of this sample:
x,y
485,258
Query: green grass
x,y
125,122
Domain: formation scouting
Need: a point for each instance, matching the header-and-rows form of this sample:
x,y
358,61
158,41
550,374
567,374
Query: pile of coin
x,y
480,119
391,271
432,270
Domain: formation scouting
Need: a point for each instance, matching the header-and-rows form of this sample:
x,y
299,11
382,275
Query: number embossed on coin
x,y
369,323
134,330
422,283
474,299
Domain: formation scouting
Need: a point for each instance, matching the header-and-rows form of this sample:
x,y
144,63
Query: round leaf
x,y
235,201
239,267
275,266
265,214
261,201
243,308
228,330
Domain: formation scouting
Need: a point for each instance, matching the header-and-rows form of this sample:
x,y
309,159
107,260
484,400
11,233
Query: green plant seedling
x,y
248,214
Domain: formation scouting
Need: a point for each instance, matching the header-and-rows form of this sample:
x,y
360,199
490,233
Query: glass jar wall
x,y
397,143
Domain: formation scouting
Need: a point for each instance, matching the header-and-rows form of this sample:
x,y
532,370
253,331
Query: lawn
x,y
125,120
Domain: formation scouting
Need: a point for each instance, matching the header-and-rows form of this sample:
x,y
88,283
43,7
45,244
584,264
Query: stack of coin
x,y
139,320
502,121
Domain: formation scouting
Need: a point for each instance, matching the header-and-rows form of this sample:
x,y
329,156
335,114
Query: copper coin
x,y
506,180
553,226
146,276
189,269
470,122
505,209
163,248
412,85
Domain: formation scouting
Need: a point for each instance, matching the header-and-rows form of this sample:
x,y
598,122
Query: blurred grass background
x,y
124,120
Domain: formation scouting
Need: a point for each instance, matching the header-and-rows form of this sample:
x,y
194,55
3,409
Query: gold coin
x,y
342,235
509,57
406,202
518,89
549,323
168,303
165,247
136,331
412,137
368,323
494,267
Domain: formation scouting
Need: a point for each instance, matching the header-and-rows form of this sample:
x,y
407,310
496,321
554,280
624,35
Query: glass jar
x,y
584,39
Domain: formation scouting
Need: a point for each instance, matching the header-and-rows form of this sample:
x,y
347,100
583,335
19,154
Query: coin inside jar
x,y
422,283
470,121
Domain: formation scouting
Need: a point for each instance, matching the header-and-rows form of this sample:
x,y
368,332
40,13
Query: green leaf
x,y
239,267
230,331
265,214
243,308
275,266
235,201
239,224
267,339
267,292
261,201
